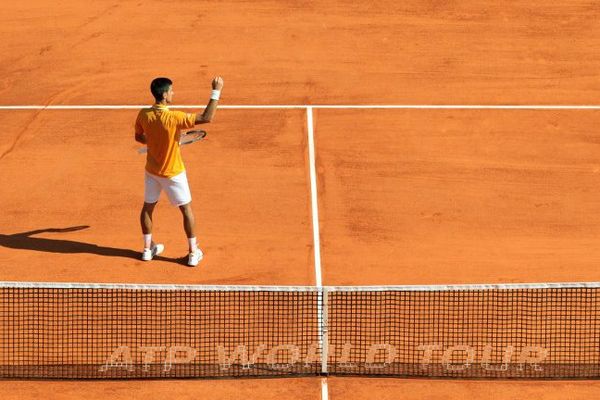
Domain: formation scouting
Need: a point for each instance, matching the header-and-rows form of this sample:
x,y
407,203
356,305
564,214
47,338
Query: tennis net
x,y
112,331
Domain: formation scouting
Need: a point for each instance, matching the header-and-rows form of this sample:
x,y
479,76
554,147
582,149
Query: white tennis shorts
x,y
177,188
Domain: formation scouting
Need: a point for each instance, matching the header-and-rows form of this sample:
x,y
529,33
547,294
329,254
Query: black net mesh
x,y
133,332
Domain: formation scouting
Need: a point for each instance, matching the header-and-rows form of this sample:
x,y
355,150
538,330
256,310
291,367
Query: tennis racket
x,y
186,138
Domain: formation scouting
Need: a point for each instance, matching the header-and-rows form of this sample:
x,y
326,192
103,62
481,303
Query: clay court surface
x,y
405,195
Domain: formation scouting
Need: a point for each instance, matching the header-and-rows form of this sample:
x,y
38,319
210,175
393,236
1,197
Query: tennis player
x,y
160,129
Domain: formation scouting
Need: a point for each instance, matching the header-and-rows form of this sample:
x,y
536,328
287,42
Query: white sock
x,y
193,244
148,241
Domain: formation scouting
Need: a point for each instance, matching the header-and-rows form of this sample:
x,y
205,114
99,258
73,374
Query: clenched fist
x,y
217,83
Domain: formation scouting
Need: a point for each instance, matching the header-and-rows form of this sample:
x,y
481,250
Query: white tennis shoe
x,y
148,254
195,257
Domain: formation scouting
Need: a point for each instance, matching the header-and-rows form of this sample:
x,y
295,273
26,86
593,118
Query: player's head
x,y
162,89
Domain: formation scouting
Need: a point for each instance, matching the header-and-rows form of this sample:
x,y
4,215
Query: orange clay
x,y
405,196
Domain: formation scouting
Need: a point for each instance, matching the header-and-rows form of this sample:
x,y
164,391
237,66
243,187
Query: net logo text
x,y
454,358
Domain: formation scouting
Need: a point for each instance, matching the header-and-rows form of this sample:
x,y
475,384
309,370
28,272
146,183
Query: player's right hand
x,y
217,83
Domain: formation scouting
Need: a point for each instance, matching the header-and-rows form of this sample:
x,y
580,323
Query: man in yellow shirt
x,y
160,129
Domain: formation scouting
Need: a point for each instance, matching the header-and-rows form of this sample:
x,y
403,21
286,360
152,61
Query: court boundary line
x,y
316,106
314,202
322,305
324,389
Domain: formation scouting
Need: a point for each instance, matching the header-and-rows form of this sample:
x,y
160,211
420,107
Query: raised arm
x,y
211,108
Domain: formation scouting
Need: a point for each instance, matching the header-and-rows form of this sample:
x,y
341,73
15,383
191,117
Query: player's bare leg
x,y
189,226
146,218
151,249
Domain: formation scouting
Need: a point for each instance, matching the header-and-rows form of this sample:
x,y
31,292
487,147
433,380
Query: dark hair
x,y
159,86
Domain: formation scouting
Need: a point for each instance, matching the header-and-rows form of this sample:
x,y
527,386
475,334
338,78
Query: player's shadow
x,y
26,241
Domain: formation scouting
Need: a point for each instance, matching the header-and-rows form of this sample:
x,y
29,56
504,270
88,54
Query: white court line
x,y
316,106
463,107
322,306
313,196
324,390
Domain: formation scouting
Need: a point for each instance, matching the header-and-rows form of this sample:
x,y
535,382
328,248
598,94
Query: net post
x,y
323,334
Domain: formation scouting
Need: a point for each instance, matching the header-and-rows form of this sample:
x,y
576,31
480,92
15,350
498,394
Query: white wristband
x,y
215,95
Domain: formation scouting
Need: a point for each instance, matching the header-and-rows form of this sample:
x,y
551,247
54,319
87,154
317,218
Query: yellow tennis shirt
x,y
162,128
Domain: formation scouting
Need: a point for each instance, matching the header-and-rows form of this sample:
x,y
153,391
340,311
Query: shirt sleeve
x,y
185,120
138,126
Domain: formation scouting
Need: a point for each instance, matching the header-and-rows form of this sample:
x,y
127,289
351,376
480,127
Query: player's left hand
x,y
217,83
